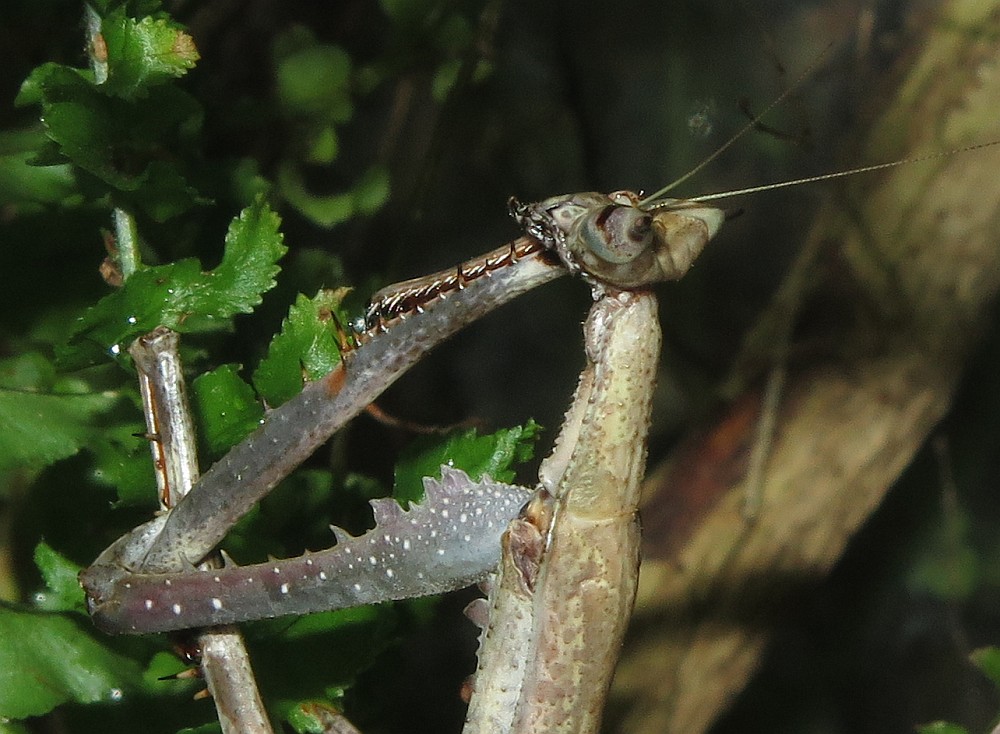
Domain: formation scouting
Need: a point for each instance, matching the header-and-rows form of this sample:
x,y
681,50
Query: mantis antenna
x,y
742,131
650,202
837,174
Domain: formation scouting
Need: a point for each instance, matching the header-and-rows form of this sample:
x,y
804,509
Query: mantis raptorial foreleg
x,y
447,542
403,323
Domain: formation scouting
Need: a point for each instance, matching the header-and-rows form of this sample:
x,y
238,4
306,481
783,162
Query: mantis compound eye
x,y
626,246
617,234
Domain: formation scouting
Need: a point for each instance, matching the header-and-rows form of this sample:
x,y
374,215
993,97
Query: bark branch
x,y
917,268
225,662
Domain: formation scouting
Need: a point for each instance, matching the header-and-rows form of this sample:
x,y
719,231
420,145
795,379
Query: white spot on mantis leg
x,y
216,604
177,609
284,588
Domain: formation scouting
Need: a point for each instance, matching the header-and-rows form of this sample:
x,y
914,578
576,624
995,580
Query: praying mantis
x,y
398,325
146,582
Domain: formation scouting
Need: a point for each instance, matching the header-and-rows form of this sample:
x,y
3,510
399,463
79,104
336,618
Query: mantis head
x,y
613,239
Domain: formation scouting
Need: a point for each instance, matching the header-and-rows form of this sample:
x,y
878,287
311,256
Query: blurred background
x,y
393,133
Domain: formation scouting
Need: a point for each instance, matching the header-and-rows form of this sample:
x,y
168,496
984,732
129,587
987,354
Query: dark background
x,y
598,96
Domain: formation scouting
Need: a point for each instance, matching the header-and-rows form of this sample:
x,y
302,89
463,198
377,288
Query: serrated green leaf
x,y
305,348
227,408
40,429
987,659
63,592
47,659
145,52
254,244
181,296
129,145
495,455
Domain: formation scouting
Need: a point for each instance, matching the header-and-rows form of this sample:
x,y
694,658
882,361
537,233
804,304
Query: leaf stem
x,y
126,242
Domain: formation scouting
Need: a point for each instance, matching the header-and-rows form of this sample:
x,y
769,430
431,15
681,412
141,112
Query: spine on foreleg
x,y
448,541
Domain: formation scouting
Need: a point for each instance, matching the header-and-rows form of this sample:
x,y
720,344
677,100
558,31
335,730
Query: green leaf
x,y
48,417
371,192
130,145
305,348
358,635
22,183
313,81
46,659
254,244
495,455
314,717
326,211
10,727
63,592
122,461
323,146
181,296
40,429
143,53
227,408
53,81
368,195
445,78
987,659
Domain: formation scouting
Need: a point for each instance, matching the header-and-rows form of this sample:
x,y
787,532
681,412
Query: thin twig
x,y
225,662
